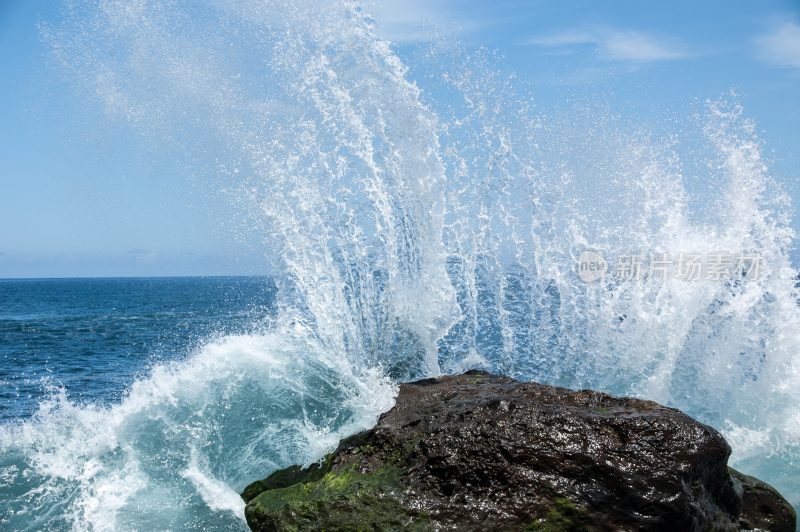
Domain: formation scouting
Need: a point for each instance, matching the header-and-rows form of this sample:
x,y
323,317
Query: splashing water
x,y
413,232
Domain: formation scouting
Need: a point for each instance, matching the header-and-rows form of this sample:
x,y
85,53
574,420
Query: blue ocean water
x,y
93,337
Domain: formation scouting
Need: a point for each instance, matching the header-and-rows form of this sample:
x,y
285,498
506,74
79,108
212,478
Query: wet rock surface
x,y
482,452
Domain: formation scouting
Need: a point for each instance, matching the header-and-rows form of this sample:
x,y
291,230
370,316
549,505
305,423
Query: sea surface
x,y
92,337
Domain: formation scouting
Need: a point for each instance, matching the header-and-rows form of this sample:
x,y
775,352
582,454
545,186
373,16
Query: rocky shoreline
x,y
482,452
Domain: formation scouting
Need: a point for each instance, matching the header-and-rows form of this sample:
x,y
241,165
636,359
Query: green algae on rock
x,y
339,500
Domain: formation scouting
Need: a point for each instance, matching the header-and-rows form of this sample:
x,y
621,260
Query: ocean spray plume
x,y
352,204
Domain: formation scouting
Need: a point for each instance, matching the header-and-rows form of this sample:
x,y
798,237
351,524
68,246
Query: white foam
x,y
217,495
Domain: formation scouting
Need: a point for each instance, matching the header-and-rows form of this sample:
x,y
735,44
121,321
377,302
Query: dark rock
x,y
763,508
481,452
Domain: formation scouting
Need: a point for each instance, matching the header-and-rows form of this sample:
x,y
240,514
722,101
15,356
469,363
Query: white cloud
x,y
565,38
640,47
404,21
780,47
617,45
144,256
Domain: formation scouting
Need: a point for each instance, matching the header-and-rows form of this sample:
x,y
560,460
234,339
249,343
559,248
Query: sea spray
x,y
413,229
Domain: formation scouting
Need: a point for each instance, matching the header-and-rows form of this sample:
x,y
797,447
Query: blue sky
x,y
87,197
